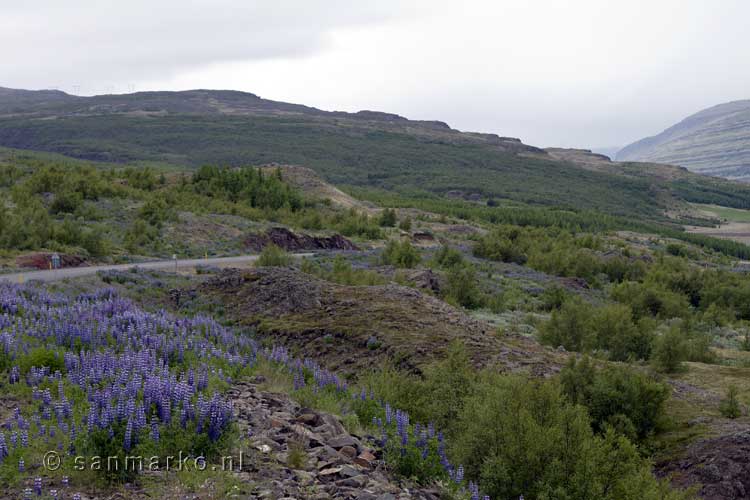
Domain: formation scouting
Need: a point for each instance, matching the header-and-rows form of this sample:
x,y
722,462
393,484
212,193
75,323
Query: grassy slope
x,y
360,156
729,214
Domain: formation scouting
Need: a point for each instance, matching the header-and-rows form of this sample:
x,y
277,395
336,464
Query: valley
x,y
365,306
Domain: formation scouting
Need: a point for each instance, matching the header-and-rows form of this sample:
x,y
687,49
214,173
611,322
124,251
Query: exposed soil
x,y
286,239
43,260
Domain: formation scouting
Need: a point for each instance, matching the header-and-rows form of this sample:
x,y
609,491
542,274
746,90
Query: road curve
x,y
75,272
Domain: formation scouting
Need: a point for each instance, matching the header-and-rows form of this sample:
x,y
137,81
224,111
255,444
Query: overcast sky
x,y
585,73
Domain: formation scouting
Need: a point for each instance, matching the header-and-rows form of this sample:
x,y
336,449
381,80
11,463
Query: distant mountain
x,y
715,141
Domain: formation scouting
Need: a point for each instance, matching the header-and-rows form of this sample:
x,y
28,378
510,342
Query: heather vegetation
x,y
99,373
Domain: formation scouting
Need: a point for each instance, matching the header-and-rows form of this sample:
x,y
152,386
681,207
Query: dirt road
x,y
74,272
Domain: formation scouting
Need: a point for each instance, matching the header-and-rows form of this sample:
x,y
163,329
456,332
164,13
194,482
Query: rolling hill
x,y
715,141
367,149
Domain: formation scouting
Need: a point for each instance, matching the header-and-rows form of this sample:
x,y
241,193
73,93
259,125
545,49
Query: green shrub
x,y
461,287
616,396
669,350
554,297
405,225
41,357
730,405
352,223
648,299
579,326
570,327
273,256
343,273
66,202
142,178
140,234
297,455
677,250
522,437
155,211
249,186
388,218
617,333
447,384
448,257
400,254
94,242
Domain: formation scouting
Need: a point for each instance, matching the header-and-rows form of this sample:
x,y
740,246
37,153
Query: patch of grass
x,y
726,213
296,456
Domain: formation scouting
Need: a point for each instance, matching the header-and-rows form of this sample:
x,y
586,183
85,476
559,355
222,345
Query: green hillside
x,y
365,149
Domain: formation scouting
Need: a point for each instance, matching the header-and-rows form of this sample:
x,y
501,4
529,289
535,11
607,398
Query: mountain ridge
x,y
714,141
367,149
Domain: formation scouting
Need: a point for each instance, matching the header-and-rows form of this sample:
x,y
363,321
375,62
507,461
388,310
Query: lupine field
x,y
96,375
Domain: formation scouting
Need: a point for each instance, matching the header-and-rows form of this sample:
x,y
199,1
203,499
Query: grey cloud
x,y
92,42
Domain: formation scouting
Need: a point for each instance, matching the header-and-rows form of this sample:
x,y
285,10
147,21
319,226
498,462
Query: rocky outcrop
x,y
352,328
300,453
719,466
292,242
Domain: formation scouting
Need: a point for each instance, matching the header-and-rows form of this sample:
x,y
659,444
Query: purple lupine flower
x,y
474,490
154,428
38,486
128,435
460,474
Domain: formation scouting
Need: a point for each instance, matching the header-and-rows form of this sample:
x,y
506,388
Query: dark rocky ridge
x,y
719,466
292,242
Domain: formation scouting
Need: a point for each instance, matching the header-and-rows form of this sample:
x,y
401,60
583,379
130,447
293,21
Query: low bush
x,y
579,326
523,437
461,287
670,350
273,256
388,218
400,254
730,405
616,396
